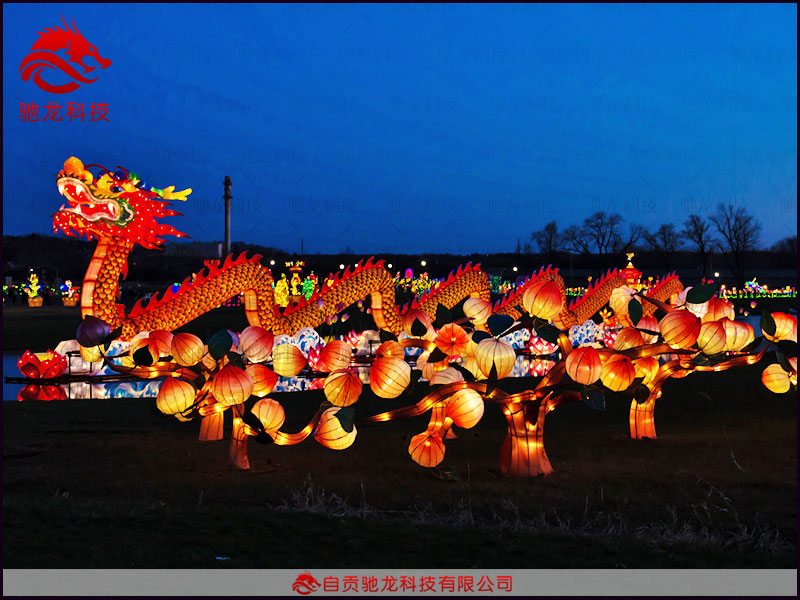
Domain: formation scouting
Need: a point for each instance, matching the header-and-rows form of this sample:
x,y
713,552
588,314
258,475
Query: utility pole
x,y
227,196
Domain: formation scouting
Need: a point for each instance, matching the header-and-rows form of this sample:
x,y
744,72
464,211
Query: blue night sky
x,y
419,128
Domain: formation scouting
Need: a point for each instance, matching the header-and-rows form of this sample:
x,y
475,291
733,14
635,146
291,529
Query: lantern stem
x,y
642,419
522,453
238,451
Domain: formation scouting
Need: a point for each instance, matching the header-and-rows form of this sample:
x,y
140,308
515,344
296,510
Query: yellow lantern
x,y
389,377
618,372
471,365
342,388
543,299
718,308
448,375
775,379
452,339
426,449
330,434
287,360
477,310
628,337
263,378
336,355
270,413
583,365
737,335
680,328
619,300
390,348
465,408
650,323
187,349
92,353
495,353
712,338
785,327
256,343
175,396
646,368
231,386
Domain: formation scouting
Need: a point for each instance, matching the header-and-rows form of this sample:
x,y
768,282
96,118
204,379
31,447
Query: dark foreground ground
x,y
108,484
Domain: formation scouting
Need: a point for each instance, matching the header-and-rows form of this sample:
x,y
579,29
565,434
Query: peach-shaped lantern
x,y
390,349
471,365
336,355
429,369
160,343
452,339
495,353
231,386
411,315
389,377
477,310
448,375
628,337
187,349
175,396
263,378
342,388
618,373
465,408
619,300
646,368
680,328
543,299
583,365
785,327
287,360
775,379
737,335
329,431
718,308
138,343
712,338
649,323
270,413
256,343
426,449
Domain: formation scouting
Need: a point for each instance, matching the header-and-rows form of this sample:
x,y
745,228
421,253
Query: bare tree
x,y
574,240
787,245
740,233
547,240
665,241
699,233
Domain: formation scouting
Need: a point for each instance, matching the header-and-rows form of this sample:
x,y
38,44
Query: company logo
x,y
44,58
305,584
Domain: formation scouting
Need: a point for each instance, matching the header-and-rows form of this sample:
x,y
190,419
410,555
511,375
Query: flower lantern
x,y
452,339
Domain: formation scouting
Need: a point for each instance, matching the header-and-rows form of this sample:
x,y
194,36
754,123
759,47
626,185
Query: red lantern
x,y
680,328
618,373
231,386
583,365
342,388
256,343
543,299
426,449
452,339
465,408
336,355
628,337
389,377
650,323
263,378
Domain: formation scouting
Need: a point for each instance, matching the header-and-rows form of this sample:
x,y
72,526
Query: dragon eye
x,y
116,189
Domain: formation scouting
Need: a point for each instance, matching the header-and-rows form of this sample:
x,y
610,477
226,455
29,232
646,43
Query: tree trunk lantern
x,y
522,453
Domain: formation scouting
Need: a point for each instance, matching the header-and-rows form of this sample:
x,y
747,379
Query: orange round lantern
x,y
342,388
646,368
263,378
270,413
680,328
287,360
330,434
737,335
256,343
336,355
495,353
583,365
231,386
390,349
477,310
175,396
389,377
785,327
775,379
628,337
618,373
465,408
712,338
543,299
411,315
452,339
650,323
160,343
719,308
426,449
187,349
448,375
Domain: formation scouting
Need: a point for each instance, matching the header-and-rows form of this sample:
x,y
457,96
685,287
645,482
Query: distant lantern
x,y
543,299
583,365
495,353
175,396
263,378
187,349
336,355
718,308
426,449
775,379
331,434
618,373
628,337
389,377
680,328
288,360
477,310
231,386
270,413
342,388
465,408
712,338
452,339
646,368
256,343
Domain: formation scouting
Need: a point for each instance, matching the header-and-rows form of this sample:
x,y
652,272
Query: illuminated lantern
x,y
426,449
160,343
92,353
471,365
416,314
390,348
583,365
175,396
208,361
543,299
231,386
330,434
143,342
718,308
256,343
785,327
389,377
650,323
680,328
336,355
429,369
618,301
477,310
452,339
187,349
646,368
342,388
712,338
448,375
495,353
263,378
628,337
618,373
737,335
287,360
270,413
465,408
775,379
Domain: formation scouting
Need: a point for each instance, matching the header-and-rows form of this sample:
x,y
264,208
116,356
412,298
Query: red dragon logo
x,y
305,584
44,56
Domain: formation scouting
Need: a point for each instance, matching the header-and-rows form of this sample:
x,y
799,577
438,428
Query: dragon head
x,y
118,205
78,47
